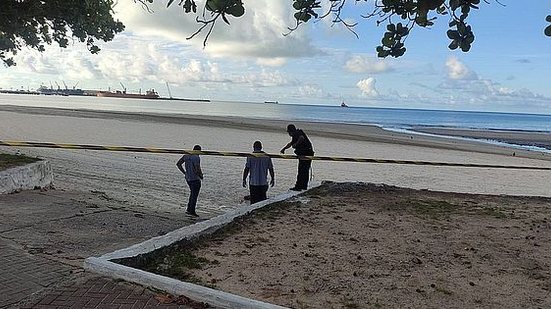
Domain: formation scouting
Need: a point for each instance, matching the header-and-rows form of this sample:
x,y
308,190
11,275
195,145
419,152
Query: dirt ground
x,y
354,245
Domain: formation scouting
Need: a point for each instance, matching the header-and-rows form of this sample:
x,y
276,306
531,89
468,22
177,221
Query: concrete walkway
x,y
45,236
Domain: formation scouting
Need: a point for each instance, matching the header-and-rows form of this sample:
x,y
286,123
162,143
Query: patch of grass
x,y
177,265
9,161
431,208
187,260
437,209
443,290
494,212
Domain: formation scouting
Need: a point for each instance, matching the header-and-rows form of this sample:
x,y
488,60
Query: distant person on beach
x,y
190,166
257,169
303,147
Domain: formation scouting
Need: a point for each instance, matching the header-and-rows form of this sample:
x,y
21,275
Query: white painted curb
x,y
26,177
193,231
212,297
104,266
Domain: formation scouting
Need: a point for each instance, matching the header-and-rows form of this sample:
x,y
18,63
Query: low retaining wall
x,y
103,265
31,176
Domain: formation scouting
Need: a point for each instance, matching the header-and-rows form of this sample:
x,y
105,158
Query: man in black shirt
x,y
303,147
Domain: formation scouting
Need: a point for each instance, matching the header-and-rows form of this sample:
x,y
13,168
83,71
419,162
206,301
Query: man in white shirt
x,y
257,169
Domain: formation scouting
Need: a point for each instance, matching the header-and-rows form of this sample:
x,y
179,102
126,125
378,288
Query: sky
x,y
507,70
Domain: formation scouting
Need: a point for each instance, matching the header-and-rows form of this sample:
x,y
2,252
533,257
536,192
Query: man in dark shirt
x,y
303,147
193,175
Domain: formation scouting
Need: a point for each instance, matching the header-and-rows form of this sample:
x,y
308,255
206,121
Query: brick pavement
x,y
98,292
23,274
34,281
44,237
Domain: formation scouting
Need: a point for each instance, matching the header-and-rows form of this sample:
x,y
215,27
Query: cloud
x,y
459,71
256,35
131,59
367,86
363,64
264,79
272,62
36,63
309,91
523,60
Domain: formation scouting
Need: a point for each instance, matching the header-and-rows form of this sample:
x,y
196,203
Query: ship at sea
x,y
149,94
60,91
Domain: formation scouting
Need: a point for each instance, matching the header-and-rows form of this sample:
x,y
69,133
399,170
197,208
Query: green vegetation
x,y
443,290
36,24
436,209
177,265
9,161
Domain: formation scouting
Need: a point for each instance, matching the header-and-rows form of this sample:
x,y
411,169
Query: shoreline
x,y
439,138
518,138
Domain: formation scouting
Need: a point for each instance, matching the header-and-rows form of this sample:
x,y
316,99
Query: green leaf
x,y
465,47
225,19
236,11
453,45
548,18
388,41
548,31
453,34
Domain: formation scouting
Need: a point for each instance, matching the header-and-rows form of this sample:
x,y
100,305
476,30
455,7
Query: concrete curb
x,y
104,266
212,297
26,177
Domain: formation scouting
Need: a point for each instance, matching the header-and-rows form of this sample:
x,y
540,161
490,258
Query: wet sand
x,y
523,138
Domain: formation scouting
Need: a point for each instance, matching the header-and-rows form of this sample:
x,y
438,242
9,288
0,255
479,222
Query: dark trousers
x,y
258,193
303,174
194,188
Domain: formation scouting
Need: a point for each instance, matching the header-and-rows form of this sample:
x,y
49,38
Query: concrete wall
x,y
27,177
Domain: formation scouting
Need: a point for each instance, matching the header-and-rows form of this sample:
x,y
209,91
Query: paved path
x,y
45,236
98,292
22,274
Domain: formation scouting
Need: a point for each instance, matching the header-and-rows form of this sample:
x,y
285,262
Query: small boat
x,y
343,104
271,102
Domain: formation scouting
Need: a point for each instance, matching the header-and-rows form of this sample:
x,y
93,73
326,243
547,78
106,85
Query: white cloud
x,y
364,64
309,91
272,62
457,70
264,79
257,34
367,86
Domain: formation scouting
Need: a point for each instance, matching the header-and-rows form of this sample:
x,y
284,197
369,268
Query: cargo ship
x,y
63,92
149,94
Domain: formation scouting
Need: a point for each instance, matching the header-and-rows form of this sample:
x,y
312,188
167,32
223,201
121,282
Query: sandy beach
x,y
152,181
436,262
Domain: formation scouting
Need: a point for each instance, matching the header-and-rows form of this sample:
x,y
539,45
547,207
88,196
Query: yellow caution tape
x,y
248,154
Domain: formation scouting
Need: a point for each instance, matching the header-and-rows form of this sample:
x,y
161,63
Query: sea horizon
x,y
384,117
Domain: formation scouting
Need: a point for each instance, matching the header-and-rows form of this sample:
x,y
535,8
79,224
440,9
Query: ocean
x,y
388,118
